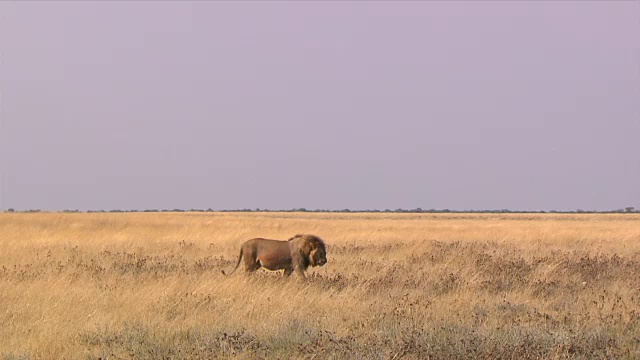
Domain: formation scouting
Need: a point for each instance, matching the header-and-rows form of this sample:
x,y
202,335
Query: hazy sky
x,y
323,105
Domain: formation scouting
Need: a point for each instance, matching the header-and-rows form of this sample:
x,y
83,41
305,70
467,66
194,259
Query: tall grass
x,y
414,286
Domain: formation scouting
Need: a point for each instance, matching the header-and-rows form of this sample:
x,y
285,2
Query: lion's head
x,y
312,248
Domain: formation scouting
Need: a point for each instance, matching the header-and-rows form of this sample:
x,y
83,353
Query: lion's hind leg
x,y
251,264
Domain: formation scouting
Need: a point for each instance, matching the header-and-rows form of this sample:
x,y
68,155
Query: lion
x,y
295,254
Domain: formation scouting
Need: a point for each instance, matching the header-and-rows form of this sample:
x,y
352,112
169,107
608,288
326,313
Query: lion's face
x,y
318,255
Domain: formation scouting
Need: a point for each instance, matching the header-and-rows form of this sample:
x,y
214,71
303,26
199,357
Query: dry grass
x,y
148,286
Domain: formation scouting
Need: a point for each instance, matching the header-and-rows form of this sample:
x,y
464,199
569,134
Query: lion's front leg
x,y
299,266
300,274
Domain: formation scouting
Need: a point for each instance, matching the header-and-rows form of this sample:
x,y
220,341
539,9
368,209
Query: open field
x,y
412,286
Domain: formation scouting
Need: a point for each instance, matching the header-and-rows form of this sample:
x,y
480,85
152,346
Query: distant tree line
x,y
629,209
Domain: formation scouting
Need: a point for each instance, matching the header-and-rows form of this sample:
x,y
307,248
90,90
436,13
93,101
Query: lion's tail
x,y
238,264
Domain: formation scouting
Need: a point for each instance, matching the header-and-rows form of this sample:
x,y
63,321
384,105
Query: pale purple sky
x,y
322,105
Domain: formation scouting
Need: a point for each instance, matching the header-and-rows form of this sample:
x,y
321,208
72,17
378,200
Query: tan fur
x,y
295,254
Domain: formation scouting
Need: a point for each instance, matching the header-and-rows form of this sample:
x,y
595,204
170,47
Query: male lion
x,y
295,254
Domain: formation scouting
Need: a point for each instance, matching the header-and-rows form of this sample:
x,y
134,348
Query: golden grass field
x,y
410,286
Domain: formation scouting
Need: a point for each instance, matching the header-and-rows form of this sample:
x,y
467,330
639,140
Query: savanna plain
x,y
396,286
